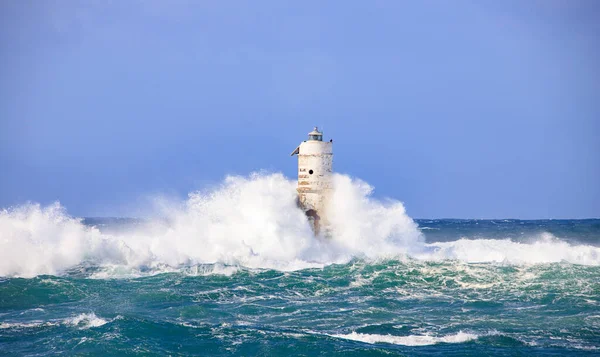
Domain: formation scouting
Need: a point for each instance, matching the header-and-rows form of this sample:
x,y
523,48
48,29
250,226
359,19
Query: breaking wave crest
x,y
546,249
411,340
81,321
251,222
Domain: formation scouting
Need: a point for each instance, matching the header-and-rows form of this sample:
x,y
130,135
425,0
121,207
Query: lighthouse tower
x,y
315,159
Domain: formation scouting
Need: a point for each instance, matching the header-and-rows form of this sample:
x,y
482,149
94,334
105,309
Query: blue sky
x,y
470,109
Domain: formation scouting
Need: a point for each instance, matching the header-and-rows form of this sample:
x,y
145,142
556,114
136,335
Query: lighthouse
x,y
315,159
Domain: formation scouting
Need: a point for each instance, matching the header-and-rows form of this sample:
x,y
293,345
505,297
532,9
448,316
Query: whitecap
x,y
410,340
85,321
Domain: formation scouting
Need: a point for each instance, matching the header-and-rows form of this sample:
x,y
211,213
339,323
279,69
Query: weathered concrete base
x,y
315,220
315,208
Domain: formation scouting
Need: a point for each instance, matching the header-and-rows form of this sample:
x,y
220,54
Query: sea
x,y
234,270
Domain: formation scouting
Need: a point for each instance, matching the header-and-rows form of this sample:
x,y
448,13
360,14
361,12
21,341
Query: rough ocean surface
x,y
235,271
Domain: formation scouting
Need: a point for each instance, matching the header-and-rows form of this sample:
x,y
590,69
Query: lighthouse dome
x,y
315,134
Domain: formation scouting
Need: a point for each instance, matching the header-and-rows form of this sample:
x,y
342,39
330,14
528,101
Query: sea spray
x,y
45,240
364,226
251,222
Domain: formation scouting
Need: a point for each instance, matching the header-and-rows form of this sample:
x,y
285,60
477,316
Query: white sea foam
x,y
24,325
250,222
85,321
81,321
411,340
547,249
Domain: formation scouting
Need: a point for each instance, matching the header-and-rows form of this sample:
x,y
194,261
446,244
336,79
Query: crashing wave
x,y
252,222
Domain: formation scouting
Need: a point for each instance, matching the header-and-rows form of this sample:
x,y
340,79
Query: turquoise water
x,y
443,301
